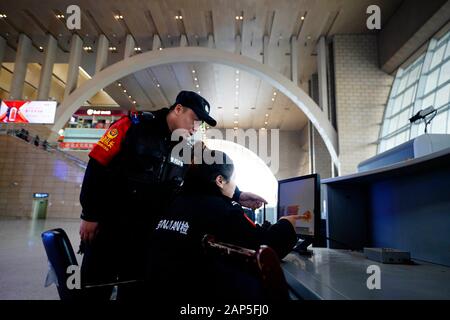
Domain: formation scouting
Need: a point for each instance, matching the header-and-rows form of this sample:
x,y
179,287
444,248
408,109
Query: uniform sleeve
x,y
94,184
237,194
110,143
240,230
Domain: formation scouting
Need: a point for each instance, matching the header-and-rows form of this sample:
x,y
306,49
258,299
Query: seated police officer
x,y
129,180
179,268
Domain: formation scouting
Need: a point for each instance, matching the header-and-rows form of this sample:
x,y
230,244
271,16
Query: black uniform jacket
x,y
178,266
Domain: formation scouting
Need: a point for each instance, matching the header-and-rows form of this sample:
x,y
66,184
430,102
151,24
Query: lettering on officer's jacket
x,y
174,225
107,141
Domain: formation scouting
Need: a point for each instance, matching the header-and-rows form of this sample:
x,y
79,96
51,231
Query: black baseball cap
x,y
198,104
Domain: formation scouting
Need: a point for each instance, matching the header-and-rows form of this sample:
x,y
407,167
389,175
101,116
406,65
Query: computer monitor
x,y
298,196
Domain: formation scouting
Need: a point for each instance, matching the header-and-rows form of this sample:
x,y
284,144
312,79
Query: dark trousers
x,y
117,254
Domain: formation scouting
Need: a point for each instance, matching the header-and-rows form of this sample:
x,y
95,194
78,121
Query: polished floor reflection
x,y
23,262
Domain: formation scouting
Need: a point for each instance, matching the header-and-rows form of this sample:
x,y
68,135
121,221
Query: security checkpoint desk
x,y
405,206
334,274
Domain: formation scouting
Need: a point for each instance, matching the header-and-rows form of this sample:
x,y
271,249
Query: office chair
x,y
246,274
60,256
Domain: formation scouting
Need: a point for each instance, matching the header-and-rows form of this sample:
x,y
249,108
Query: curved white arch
x,y
199,54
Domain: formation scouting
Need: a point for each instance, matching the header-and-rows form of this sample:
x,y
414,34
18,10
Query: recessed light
x,y
236,114
198,92
265,122
274,93
158,85
193,71
267,114
302,17
3,16
40,48
236,122
129,97
160,48
134,101
273,99
197,86
119,84
263,128
237,71
308,37
237,86
124,90
195,79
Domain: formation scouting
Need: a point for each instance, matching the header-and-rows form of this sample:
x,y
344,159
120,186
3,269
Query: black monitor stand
x,y
302,247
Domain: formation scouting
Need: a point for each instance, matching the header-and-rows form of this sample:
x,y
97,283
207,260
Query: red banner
x,y
76,145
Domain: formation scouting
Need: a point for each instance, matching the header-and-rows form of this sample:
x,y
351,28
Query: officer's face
x,y
186,120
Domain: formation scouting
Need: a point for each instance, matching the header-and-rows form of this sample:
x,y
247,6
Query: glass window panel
x,y
445,73
428,101
408,96
403,118
393,124
397,104
413,75
389,108
382,146
442,96
385,127
390,143
431,81
437,57
439,123
402,84
447,52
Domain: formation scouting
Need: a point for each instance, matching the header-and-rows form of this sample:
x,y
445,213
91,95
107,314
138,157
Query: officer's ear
x,y
178,109
220,181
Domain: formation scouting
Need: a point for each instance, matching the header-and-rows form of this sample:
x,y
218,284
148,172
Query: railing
x,y
45,145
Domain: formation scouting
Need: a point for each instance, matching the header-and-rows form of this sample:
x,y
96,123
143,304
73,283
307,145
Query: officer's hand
x,y
293,218
88,230
251,200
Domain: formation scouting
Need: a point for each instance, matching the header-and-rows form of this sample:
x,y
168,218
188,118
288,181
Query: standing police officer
x,y
129,181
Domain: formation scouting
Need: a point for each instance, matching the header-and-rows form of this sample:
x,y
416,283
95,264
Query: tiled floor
x,y
23,262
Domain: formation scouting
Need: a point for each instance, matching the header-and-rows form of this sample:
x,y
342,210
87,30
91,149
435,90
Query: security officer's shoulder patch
x,y
110,143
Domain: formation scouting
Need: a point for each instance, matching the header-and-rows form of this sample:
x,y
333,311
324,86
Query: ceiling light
x,y
119,84
118,16
40,48
124,90
178,17
237,71
265,122
236,114
158,85
160,48
274,93
195,79
236,122
273,99
237,79
3,16
237,86
134,101
137,49
235,128
112,48
193,71
198,92
308,37
197,86
302,17
129,97
263,128
267,114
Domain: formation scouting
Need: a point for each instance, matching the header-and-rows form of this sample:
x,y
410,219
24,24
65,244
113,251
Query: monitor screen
x,y
301,196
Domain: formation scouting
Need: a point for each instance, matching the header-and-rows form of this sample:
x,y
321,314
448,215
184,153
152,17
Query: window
x,y
424,83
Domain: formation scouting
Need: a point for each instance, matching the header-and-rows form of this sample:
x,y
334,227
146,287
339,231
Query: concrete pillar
x,y
129,46
183,41
20,67
156,42
294,60
76,49
210,41
238,47
265,49
47,68
2,51
322,72
102,53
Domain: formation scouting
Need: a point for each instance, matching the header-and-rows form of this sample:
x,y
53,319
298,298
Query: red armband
x,y
249,220
110,144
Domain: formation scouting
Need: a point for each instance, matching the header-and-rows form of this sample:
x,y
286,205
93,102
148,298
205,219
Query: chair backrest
x,y
257,273
60,255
